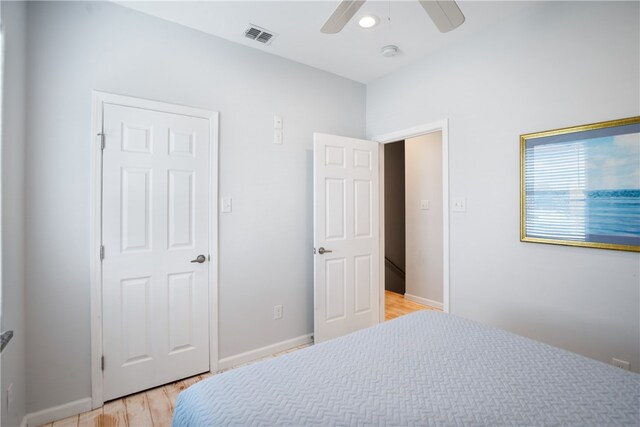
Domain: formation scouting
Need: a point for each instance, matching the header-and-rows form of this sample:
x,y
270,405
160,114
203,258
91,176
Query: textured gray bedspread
x,y
425,368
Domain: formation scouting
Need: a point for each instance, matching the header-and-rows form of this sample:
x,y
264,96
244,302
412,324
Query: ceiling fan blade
x,y
339,18
444,13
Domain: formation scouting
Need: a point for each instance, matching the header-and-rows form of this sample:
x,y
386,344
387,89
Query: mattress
x,y
426,368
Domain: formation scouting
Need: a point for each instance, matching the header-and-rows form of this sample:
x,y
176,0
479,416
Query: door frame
x,y
443,126
99,99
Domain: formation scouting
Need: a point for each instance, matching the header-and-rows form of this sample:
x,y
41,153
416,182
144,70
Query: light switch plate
x,y
277,312
459,204
226,205
277,136
424,205
277,122
10,398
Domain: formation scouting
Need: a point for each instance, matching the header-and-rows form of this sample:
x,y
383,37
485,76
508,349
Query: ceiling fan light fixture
x,y
368,21
389,51
444,13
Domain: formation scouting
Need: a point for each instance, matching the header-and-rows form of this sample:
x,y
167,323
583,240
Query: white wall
x,y
13,141
265,244
565,63
424,227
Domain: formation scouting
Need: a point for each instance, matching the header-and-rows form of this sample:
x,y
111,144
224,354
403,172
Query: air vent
x,y
258,34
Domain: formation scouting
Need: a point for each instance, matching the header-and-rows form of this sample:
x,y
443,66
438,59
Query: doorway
x,y
394,218
415,215
348,175
154,232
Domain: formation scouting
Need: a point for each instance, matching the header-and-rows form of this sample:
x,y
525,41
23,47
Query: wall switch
x,y
424,205
10,398
277,136
277,312
622,364
226,205
277,122
459,204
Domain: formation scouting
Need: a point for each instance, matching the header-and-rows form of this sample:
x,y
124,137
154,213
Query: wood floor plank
x,y
91,418
396,305
160,406
188,382
172,391
115,414
138,411
206,375
67,422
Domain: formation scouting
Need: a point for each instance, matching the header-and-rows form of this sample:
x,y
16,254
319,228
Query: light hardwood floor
x,y
155,407
396,306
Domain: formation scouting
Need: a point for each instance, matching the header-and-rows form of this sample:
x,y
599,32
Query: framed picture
x,y
580,186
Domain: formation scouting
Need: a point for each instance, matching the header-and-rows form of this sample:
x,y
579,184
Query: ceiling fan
x,y
444,13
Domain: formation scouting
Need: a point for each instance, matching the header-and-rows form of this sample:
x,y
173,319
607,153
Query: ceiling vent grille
x,y
258,34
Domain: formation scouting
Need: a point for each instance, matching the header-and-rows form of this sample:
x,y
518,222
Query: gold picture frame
x,y
580,185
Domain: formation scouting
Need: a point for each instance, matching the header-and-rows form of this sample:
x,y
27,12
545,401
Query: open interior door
x,y
346,235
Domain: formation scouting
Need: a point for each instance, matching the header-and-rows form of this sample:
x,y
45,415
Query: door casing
x,y
99,99
443,126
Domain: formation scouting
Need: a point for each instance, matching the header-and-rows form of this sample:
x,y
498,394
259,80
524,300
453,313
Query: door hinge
x,y
102,140
102,363
101,252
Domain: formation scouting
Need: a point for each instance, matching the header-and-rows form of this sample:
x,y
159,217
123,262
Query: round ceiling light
x,y
389,51
368,21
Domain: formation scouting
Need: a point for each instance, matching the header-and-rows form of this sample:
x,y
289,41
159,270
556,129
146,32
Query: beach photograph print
x,y
580,186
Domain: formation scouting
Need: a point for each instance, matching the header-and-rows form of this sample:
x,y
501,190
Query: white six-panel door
x,y
155,221
346,229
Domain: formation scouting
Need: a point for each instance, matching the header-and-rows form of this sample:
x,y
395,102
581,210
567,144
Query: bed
x,y
426,368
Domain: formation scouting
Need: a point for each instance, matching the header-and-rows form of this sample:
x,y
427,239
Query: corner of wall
x,y
12,171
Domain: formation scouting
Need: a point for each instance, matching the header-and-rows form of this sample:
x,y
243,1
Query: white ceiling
x,y
354,52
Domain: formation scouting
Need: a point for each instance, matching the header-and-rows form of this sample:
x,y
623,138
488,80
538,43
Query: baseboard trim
x,y
249,356
424,301
56,413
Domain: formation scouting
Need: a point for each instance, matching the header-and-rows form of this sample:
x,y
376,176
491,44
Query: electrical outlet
x,y
459,204
277,312
622,364
10,398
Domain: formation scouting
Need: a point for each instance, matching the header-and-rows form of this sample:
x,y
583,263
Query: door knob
x,y
323,251
200,259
